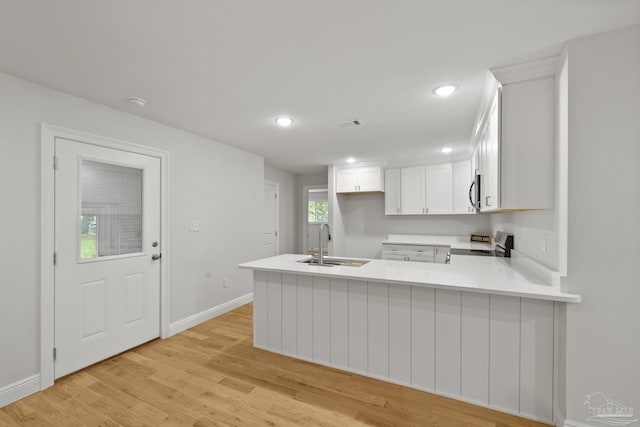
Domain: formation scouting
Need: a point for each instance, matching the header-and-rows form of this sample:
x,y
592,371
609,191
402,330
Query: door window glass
x,y
110,210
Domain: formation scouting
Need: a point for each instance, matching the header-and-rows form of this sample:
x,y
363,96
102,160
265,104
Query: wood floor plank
x,y
211,375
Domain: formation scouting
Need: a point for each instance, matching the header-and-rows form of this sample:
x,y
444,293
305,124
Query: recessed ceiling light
x,y
446,150
351,160
137,101
445,90
284,121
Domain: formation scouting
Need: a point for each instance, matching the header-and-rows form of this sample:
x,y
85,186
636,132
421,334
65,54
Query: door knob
x,y
156,257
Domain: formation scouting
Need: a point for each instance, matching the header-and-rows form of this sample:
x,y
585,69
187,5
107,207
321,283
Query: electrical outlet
x,y
194,225
467,228
543,243
226,282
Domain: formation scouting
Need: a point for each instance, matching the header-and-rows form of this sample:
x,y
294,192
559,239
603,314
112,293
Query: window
x,y
318,211
110,210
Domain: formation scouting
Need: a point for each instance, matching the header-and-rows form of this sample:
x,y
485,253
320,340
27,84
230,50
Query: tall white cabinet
x,y
516,139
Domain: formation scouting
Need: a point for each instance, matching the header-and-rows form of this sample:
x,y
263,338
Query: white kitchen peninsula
x,y
479,329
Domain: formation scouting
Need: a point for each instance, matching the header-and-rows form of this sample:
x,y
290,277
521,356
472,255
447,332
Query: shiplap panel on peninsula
x,y
493,350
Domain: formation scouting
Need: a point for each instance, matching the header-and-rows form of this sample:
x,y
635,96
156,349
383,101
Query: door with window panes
x,y
317,213
107,244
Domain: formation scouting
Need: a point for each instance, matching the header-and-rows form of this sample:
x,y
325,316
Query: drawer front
x,y
394,252
395,257
421,253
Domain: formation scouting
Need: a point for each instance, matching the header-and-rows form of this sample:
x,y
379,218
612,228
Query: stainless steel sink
x,y
333,261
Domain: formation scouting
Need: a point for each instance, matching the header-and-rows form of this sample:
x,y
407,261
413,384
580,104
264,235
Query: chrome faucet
x,y
320,252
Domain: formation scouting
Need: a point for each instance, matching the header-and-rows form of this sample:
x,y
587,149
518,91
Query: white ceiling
x,y
226,69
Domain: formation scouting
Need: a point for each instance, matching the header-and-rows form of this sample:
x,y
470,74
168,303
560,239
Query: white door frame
x,y
305,213
47,228
277,185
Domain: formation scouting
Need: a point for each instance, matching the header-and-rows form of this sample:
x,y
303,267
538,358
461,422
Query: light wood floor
x,y
212,376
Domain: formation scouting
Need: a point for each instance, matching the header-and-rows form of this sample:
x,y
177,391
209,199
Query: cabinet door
x,y
394,252
462,179
370,178
392,191
441,253
347,180
491,177
439,189
412,191
420,253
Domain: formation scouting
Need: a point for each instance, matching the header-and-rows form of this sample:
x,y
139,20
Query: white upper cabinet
x,y
370,178
391,191
528,144
419,190
439,189
516,138
346,180
364,179
463,176
490,158
412,191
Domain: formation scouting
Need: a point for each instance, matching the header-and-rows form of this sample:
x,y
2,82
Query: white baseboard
x,y
196,319
19,390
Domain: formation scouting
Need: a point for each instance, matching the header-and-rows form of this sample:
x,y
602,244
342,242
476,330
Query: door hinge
x,y
55,354
276,234
276,195
55,258
55,162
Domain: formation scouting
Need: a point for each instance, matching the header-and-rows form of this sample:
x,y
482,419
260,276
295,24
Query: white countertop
x,y
492,275
456,242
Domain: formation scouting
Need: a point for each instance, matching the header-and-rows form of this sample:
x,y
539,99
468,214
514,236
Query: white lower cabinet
x,y
415,253
494,350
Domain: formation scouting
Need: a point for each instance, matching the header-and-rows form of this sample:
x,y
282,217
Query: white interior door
x,y
107,231
270,225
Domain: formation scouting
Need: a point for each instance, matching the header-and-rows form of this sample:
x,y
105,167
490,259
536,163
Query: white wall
x,y
366,225
287,205
211,182
603,332
529,229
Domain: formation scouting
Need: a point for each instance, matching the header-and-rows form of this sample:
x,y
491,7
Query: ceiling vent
x,y
349,123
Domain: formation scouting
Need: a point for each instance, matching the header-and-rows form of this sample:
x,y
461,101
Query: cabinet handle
x,y
486,200
426,210
470,190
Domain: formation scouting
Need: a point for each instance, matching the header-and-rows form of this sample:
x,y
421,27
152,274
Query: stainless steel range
x,y
504,244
